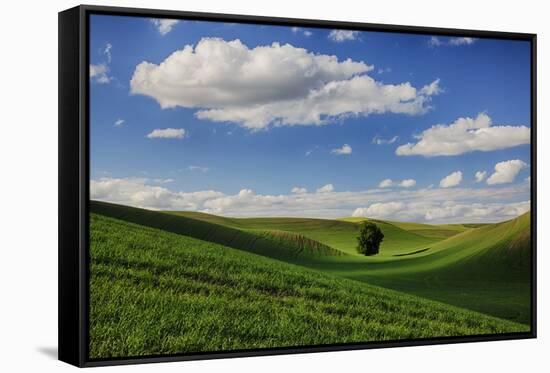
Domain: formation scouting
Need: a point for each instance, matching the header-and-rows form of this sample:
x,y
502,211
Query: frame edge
x,y
69,151
73,194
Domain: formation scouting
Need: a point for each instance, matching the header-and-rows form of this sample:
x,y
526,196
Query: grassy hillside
x,y
484,268
157,292
434,231
338,234
264,243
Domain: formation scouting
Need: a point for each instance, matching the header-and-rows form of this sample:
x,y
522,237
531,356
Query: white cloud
x,y
443,212
344,150
100,73
451,180
303,88
407,183
198,168
506,172
475,212
139,193
435,41
388,183
432,205
167,133
299,190
343,35
326,189
480,176
461,41
164,26
380,141
466,135
107,52
299,30
119,122
379,210
432,89
383,70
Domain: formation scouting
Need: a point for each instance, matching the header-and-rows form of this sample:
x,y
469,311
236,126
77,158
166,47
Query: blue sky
x,y
190,130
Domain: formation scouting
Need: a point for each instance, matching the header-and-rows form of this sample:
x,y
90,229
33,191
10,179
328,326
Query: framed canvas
x,y
237,186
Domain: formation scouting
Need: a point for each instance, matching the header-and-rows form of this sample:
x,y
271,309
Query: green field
x,y
167,282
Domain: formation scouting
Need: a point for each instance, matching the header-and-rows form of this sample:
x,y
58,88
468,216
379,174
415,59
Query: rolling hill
x,y
485,268
338,234
153,291
264,242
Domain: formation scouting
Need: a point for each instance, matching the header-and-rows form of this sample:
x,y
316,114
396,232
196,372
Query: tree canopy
x,y
369,239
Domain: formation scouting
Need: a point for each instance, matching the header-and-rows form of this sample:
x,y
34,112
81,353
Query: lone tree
x,y
369,239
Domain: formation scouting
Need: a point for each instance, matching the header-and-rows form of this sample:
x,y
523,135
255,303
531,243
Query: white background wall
x,y
28,185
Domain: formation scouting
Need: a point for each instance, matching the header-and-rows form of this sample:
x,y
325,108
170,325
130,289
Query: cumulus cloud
x,y
167,133
343,35
326,189
164,26
407,183
480,176
299,190
435,205
506,172
388,183
451,180
466,135
378,210
119,122
380,141
431,89
271,85
344,150
299,30
140,193
443,212
435,41
99,73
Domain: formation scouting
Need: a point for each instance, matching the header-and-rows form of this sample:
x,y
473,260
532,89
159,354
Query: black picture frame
x,y
74,178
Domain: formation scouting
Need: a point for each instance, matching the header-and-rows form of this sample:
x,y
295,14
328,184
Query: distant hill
x,y
265,242
339,234
485,269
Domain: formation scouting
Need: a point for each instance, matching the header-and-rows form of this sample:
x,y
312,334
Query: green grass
x,y
338,234
486,269
264,242
482,267
154,291
439,231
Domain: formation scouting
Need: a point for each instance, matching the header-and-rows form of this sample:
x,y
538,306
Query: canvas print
x,y
258,186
